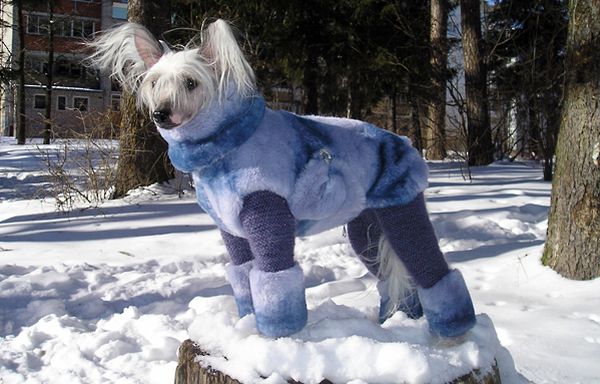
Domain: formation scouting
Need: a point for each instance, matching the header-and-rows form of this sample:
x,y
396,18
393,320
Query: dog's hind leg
x,y
276,281
364,234
443,293
369,244
238,272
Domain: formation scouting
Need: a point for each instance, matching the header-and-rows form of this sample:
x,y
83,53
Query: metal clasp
x,y
326,155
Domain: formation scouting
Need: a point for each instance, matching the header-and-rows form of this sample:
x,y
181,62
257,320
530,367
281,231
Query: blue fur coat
x,y
328,169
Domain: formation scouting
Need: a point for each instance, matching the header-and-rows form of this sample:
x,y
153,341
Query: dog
x,y
267,176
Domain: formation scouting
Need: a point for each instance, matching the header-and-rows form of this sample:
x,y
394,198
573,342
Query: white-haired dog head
x,y
174,85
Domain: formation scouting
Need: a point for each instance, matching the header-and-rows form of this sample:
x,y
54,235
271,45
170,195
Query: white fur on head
x,y
175,86
127,52
221,50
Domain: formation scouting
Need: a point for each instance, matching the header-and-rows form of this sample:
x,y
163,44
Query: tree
x,y
409,50
573,241
345,56
6,72
49,74
436,110
527,41
20,131
143,153
479,136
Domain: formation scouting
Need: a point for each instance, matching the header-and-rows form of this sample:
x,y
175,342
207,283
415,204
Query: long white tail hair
x,y
393,271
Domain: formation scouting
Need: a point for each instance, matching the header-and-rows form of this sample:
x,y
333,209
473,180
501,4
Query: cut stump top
x,y
338,345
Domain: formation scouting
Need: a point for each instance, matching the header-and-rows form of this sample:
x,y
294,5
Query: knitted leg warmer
x,y
443,293
364,234
237,247
270,229
410,233
276,282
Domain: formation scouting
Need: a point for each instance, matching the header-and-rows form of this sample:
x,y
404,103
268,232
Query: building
x,y
78,92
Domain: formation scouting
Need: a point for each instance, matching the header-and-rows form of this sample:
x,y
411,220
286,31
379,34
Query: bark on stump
x,y
188,371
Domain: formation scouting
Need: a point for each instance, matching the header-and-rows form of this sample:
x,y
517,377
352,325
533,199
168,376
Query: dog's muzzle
x,y
162,118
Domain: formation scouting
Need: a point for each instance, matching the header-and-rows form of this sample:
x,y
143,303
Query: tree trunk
x,y
20,133
436,110
49,75
573,242
479,137
311,83
553,114
143,153
416,133
188,371
354,109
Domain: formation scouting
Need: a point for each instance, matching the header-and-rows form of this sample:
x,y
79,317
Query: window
x,y
80,103
62,67
61,103
75,70
37,64
39,101
62,27
89,27
37,25
83,28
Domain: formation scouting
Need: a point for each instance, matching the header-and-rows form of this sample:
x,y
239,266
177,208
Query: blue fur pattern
x,y
279,301
239,278
448,306
327,169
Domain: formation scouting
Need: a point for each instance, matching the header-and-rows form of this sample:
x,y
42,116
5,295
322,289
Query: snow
x,y
106,294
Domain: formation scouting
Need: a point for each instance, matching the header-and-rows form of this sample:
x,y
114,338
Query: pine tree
x,y
527,41
573,241
20,129
479,134
436,110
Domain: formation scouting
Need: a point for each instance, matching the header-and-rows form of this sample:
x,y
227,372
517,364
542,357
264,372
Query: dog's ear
x,y
221,50
126,52
148,48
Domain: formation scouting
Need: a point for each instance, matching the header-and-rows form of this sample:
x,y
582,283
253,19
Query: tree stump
x,y
189,371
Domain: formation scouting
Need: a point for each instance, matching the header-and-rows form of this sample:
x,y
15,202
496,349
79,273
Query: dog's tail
x,y
394,273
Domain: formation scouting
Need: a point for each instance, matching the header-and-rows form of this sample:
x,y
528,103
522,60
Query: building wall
x,y
74,20
7,41
74,111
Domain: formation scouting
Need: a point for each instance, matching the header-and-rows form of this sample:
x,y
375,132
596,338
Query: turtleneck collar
x,y
214,133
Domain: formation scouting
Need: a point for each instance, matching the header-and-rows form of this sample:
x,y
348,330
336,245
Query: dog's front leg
x,y
276,281
238,271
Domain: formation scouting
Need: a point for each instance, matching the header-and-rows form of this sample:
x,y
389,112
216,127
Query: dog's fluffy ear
x,y
220,48
126,52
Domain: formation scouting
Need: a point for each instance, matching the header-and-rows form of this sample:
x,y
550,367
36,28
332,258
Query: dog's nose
x,y
161,116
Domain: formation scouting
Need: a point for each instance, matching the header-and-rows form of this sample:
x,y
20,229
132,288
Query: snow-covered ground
x,y
106,294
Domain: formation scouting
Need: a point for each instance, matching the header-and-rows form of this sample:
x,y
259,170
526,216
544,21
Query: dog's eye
x,y
190,84
153,83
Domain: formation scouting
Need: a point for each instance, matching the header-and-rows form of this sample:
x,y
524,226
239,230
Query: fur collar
x,y
189,154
